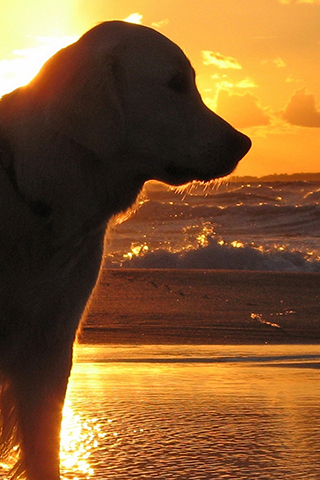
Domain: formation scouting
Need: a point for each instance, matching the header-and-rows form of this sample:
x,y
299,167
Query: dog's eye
x,y
179,83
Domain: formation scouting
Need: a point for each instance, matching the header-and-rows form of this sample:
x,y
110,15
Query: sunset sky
x,y
257,62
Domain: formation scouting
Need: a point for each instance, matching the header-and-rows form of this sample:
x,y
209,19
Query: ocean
x,y
270,226
193,413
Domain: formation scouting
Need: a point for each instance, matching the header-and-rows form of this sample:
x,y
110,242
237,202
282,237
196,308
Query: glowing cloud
x,y
243,111
292,80
220,61
225,83
302,110
246,83
278,62
134,18
160,24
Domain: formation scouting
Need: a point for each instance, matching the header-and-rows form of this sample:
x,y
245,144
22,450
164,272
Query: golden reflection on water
x,y
148,412
138,418
78,438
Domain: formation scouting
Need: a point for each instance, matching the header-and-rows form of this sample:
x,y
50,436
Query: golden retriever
x,y
104,115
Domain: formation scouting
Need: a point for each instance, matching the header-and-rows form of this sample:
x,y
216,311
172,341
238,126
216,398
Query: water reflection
x,y
192,413
228,416
78,438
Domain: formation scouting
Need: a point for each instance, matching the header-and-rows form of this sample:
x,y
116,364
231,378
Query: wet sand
x,y
203,307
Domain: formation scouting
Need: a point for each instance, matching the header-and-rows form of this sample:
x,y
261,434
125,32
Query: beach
x,y
163,306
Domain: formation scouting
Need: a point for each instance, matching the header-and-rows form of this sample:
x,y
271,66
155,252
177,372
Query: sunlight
x,y
237,244
5,467
78,439
25,63
207,231
137,249
134,18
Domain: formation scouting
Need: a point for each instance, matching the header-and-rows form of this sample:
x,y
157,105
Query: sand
x,y
203,307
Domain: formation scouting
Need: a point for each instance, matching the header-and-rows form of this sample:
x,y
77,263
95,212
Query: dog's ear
x,y
81,98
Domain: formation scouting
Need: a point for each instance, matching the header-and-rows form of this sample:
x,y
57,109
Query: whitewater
x,y
268,226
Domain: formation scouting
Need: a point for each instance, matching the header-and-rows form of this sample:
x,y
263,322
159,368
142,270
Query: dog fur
x,y
104,115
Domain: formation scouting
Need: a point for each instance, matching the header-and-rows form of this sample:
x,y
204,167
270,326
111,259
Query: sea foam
x,y
269,227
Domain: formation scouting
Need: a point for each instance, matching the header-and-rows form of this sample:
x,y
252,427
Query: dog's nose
x,y
247,143
239,145
236,145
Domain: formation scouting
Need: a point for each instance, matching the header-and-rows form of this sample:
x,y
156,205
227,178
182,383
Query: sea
x,y
270,226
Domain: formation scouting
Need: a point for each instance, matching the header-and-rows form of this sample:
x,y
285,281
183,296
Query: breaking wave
x,y
269,227
225,256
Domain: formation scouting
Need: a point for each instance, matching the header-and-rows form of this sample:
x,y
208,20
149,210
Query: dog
x,y
104,115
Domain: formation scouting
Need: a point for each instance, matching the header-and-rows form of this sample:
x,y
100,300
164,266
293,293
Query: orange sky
x,y
257,62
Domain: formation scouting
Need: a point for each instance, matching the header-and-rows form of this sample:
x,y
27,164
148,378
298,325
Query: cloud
x,y
225,83
242,111
291,79
134,18
246,83
220,61
278,62
160,24
302,110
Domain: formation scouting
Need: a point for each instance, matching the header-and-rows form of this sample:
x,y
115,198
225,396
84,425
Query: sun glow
x,y
134,18
78,438
137,249
237,244
24,64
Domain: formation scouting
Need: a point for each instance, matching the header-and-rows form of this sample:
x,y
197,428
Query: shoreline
x,y
203,307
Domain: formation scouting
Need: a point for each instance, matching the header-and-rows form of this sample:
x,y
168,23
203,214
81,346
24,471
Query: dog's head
x,y
128,94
